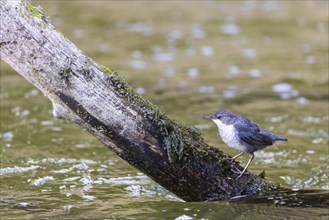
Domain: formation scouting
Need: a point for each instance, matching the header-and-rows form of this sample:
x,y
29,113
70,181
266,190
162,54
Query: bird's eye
x,y
219,116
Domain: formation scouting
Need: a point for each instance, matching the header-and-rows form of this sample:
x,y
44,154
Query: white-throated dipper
x,y
242,134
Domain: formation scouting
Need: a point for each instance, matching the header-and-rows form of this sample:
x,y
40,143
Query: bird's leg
x,y
245,168
236,170
236,156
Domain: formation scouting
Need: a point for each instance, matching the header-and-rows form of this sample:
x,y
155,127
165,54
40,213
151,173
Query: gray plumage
x,y
242,134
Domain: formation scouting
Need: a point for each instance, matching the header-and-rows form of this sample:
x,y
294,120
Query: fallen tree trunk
x,y
95,98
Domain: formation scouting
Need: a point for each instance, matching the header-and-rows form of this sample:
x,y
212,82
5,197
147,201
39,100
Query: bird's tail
x,y
278,138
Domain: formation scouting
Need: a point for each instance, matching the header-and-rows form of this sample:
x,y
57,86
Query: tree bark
x,y
97,99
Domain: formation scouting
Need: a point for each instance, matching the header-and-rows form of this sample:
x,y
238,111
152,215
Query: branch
x,y
97,99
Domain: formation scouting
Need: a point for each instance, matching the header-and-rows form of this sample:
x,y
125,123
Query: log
x,y
98,100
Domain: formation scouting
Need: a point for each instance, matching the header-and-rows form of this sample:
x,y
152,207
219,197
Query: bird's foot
x,y
237,171
241,174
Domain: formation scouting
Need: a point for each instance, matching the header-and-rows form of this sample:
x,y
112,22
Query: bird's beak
x,y
208,116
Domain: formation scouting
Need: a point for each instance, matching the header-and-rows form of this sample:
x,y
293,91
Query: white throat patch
x,y
229,135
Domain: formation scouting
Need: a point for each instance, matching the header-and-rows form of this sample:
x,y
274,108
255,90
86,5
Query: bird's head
x,y
222,117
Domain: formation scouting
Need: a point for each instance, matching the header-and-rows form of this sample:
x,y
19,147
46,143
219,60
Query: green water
x,y
266,61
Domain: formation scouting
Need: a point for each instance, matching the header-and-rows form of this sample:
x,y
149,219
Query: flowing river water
x,y
267,61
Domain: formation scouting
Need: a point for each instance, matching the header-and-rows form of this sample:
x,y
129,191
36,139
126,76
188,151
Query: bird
x,y
242,134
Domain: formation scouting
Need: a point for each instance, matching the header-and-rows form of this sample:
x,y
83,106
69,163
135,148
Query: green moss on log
x,y
34,11
108,70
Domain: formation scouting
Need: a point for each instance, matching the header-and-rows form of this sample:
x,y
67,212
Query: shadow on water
x,y
281,204
290,198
